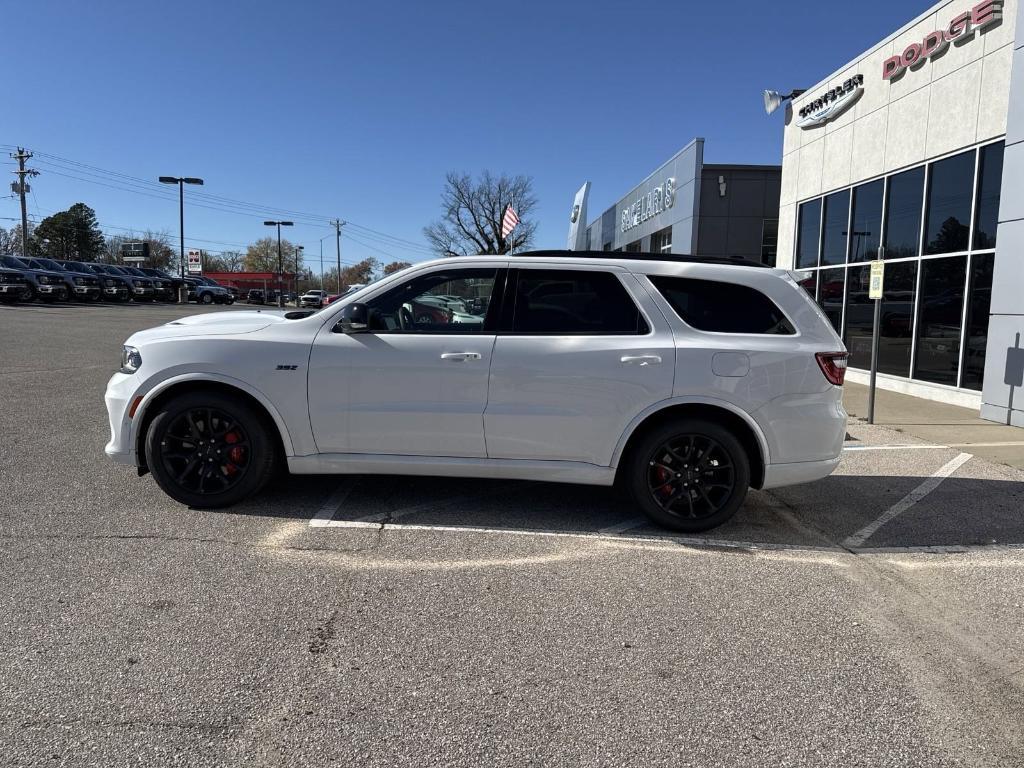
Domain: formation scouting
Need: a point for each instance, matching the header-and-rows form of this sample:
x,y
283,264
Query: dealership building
x,y
688,207
913,153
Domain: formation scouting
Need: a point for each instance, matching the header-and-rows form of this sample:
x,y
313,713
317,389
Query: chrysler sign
x,y
831,103
659,199
960,29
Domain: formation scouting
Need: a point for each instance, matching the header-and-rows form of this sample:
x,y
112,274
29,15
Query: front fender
x,y
164,384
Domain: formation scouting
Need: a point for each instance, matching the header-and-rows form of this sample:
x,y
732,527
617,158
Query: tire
x,y
178,472
206,298
30,293
62,295
703,456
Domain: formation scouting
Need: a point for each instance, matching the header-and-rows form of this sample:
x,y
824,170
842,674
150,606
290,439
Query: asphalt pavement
x,y
872,618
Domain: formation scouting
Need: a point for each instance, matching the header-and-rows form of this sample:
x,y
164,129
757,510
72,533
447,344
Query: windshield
x,y
13,262
51,264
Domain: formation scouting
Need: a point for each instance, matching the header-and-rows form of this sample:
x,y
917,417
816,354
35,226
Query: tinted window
x,y
808,234
978,301
990,176
451,302
903,214
830,296
866,230
948,216
553,302
709,305
940,311
837,214
897,318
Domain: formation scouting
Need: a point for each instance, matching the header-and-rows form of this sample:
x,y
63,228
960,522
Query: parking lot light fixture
x,y
280,265
181,181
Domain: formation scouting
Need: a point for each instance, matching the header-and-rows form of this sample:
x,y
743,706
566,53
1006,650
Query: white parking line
x,y
625,525
325,516
929,485
891,447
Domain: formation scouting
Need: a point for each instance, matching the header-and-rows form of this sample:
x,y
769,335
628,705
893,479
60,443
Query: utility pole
x,y
21,187
338,224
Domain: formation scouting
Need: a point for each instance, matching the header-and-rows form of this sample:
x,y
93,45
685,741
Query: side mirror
x,y
353,319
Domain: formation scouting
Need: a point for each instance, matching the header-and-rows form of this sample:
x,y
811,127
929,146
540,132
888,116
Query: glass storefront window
x,y
808,234
947,217
836,223
661,241
940,308
979,299
896,331
830,296
903,214
866,225
990,176
769,241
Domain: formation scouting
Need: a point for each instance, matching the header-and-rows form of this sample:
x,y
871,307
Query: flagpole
x,y
512,234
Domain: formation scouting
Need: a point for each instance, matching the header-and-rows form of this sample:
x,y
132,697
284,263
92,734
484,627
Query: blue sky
x,y
358,110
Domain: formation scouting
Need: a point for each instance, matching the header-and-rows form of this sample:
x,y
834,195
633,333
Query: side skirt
x,y
440,466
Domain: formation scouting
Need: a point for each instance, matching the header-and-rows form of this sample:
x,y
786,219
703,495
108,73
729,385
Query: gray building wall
x,y
731,220
684,169
1003,395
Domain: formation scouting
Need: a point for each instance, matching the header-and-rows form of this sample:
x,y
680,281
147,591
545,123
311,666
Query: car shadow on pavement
x,y
960,512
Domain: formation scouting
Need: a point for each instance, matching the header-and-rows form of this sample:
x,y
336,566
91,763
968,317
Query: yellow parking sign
x,y
877,280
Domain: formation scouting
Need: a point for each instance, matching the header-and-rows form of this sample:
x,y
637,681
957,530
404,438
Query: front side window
x,y
564,302
903,214
948,215
710,305
451,302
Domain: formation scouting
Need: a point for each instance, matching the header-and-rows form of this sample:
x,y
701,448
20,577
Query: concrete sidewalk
x,y
939,423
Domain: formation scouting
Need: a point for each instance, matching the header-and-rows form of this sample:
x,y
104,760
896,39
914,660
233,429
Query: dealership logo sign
x,y
831,103
657,200
959,30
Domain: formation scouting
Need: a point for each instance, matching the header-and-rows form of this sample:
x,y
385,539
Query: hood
x,y
211,324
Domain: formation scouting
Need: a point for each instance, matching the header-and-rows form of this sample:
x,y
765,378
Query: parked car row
x,y
60,280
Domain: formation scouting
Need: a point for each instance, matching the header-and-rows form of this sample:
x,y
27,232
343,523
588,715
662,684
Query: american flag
x,y
509,221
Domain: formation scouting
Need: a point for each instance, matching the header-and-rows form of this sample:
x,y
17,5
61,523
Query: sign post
x,y
875,289
195,262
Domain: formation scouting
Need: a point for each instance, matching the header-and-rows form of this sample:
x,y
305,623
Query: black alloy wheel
x,y
689,475
208,450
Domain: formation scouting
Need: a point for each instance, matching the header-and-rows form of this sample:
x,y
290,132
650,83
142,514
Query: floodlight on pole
x,y
181,181
773,99
280,266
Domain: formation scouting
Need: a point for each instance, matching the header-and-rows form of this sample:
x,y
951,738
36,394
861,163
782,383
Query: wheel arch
x,y
179,385
740,422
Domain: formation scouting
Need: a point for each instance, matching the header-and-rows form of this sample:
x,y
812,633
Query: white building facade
x,y
900,155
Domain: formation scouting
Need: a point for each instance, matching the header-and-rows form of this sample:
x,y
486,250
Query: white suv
x,y
685,380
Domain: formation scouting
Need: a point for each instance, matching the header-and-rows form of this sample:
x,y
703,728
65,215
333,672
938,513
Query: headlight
x,y
44,280
131,359
108,283
137,283
79,281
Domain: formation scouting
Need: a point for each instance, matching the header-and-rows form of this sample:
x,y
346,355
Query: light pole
x,y
280,265
298,250
322,260
181,181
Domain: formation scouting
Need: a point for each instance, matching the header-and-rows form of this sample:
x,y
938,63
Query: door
x,y
580,353
415,383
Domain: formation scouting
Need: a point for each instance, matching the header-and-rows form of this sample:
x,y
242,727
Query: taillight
x,y
833,365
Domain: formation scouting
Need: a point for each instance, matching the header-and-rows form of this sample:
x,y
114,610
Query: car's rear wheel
x,y
207,450
689,474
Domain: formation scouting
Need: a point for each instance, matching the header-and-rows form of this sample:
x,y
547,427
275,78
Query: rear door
x,y
581,351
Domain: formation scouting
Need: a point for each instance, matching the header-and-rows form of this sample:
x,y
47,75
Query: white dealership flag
x,y
509,221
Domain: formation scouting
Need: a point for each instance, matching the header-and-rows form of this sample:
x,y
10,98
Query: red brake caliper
x,y
236,455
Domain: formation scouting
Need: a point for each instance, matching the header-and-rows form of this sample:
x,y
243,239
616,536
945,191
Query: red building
x,y
244,281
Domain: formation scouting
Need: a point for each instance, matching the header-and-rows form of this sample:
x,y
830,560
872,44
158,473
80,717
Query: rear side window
x,y
553,302
709,305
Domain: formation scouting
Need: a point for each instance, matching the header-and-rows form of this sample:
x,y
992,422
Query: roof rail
x,y
643,256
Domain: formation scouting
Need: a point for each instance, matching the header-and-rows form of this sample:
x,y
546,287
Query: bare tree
x,y
473,212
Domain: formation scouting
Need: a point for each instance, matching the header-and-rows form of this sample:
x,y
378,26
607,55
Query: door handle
x,y
641,360
460,357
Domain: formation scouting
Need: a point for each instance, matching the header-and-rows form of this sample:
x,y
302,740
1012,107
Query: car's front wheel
x,y
689,474
206,298
207,450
